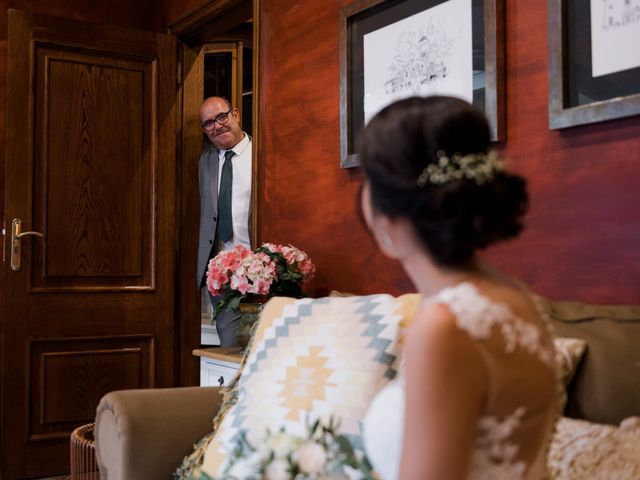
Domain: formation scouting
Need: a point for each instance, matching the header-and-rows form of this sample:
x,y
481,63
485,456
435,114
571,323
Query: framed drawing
x,y
594,61
393,49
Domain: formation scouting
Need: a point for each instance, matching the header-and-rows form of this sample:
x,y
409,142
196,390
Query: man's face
x,y
220,123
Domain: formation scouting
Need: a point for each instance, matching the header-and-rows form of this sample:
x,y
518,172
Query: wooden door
x,y
90,163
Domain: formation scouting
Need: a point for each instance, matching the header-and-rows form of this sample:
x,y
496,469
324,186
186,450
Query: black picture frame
x,y
363,16
575,96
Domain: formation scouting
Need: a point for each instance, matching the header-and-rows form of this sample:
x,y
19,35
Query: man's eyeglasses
x,y
221,119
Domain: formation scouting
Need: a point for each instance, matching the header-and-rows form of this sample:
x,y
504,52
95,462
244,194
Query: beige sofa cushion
x,y
606,387
143,434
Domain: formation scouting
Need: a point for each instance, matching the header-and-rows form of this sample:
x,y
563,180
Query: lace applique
x,y
494,457
477,315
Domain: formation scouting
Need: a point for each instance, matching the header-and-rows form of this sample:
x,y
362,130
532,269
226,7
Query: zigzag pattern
x,y
313,359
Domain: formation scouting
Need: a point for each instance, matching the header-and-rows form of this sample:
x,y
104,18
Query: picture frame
x,y
576,95
373,22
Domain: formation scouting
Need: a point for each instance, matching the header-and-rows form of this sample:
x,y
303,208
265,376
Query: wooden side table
x,y
218,366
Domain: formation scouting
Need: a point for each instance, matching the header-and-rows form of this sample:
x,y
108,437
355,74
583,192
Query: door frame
x,y
193,30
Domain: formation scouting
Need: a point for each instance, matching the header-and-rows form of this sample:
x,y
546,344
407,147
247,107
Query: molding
x,y
198,24
257,136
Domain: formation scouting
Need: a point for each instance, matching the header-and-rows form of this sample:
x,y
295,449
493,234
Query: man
x,y
225,195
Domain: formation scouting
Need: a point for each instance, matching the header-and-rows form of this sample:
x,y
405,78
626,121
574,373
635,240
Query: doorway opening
x,y
219,53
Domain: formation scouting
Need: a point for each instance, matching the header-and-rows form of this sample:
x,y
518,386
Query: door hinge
x,y
179,73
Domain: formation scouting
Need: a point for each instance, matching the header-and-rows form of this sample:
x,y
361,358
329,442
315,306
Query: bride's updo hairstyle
x,y
453,210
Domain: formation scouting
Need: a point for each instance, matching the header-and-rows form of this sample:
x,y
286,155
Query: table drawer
x,y
216,373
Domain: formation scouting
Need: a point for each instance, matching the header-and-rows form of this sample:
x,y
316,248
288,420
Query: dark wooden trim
x,y
187,294
19,41
237,35
495,83
200,24
564,117
256,120
200,16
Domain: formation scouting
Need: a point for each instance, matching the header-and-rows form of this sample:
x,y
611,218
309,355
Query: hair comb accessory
x,y
479,167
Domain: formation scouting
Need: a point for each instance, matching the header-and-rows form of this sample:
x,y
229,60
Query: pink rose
x,y
311,457
277,469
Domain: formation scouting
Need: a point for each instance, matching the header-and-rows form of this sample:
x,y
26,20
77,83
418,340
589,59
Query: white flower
x,y
278,469
351,473
243,468
281,443
311,457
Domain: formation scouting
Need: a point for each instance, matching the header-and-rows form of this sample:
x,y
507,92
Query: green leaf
x,y
366,463
234,304
314,427
347,450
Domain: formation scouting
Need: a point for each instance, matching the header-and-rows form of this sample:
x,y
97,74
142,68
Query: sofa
x,y
145,434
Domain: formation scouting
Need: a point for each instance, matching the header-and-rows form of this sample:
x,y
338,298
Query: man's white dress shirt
x,y
240,191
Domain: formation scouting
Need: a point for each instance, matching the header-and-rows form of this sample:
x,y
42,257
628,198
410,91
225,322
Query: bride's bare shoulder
x,y
434,331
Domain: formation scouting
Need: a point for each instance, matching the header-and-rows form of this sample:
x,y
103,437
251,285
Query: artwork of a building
x,y
421,57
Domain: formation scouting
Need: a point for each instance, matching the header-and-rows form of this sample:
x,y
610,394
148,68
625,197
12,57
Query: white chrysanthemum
x,y
281,444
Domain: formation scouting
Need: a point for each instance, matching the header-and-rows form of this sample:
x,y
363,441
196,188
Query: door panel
x,y
62,401
90,163
94,121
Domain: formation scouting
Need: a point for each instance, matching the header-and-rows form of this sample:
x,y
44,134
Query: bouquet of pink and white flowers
x,y
323,454
267,271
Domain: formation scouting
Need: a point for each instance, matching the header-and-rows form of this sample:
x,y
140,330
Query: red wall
x,y
308,200
583,232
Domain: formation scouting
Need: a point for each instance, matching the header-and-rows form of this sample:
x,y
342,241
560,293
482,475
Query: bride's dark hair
x,y
454,218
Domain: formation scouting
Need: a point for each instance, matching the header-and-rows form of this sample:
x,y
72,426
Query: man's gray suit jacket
x,y
208,180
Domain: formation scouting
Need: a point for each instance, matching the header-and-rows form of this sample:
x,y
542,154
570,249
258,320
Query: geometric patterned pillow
x,y
310,359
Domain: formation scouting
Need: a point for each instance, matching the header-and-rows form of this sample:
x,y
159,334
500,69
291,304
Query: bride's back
x,y
517,417
517,413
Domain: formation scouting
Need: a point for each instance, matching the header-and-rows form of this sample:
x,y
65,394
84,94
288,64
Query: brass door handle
x,y
16,243
24,234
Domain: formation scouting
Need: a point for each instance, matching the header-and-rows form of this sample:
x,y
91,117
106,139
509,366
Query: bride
x,y
475,396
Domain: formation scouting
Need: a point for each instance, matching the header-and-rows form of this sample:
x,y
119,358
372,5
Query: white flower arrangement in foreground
x,y
323,454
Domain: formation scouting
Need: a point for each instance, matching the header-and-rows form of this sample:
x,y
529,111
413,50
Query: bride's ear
x,y
385,233
382,228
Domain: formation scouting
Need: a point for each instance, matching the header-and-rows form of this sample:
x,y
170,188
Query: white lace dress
x,y
515,428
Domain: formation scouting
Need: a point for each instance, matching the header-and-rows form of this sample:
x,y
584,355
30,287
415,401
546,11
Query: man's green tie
x,y
225,226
